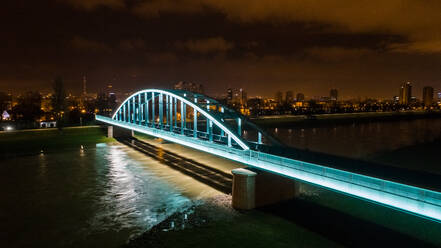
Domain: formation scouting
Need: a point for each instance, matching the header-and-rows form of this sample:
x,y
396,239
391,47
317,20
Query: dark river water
x,y
99,197
359,140
103,195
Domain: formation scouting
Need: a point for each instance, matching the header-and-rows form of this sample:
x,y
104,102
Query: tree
x,y
4,98
59,101
28,107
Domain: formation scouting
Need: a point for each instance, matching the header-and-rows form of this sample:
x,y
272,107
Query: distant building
x,y
243,97
237,97
325,99
405,93
229,95
279,97
46,103
333,94
48,124
5,115
428,96
289,97
300,97
84,86
189,86
255,104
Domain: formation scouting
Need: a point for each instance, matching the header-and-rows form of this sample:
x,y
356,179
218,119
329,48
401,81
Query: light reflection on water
x,y
97,197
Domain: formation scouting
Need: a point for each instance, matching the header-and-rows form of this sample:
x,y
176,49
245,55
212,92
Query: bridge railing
x,y
377,184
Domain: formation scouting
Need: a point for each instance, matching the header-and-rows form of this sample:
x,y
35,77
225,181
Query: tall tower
x,y
405,93
333,94
289,97
427,96
84,86
279,97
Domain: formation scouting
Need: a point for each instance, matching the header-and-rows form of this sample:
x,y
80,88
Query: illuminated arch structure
x,y
191,115
202,123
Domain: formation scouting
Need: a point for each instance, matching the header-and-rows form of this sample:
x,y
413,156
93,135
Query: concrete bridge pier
x,y
118,132
256,188
109,131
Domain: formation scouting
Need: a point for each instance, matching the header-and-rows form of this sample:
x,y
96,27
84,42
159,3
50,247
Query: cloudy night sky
x,y
363,48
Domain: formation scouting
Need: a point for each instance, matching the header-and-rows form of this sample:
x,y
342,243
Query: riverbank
x,y
213,223
33,141
327,119
318,218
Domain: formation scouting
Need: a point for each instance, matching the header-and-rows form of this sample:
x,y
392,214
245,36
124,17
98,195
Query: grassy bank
x,y
28,142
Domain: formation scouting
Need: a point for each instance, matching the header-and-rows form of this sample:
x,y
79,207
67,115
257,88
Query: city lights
x,y
191,123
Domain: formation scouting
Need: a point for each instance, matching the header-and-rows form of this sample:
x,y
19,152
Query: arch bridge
x,y
183,114
202,123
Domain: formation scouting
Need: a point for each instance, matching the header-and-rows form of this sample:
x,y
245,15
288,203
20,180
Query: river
x,y
360,139
97,197
105,194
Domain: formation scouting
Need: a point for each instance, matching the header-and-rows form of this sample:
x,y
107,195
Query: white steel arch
x,y
217,121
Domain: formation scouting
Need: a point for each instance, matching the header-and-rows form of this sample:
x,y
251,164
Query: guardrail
x,y
424,202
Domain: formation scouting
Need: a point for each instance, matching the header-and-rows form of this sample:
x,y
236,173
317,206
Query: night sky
x,y
363,48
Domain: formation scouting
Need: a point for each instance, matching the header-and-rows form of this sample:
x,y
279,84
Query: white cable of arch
x,y
191,104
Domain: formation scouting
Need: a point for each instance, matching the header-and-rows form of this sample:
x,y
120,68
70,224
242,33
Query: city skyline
x,y
134,45
80,90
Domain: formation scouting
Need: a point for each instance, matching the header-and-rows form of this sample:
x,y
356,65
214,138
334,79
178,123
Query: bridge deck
x,y
424,202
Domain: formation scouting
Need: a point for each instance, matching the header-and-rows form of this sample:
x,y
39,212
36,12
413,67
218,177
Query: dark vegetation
x,y
32,142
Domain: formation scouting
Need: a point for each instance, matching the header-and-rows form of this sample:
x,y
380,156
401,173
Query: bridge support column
x,y
182,117
128,111
161,111
139,110
244,183
170,103
195,120
109,131
222,131
239,127
255,188
167,116
175,102
210,131
119,132
147,116
133,111
153,110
